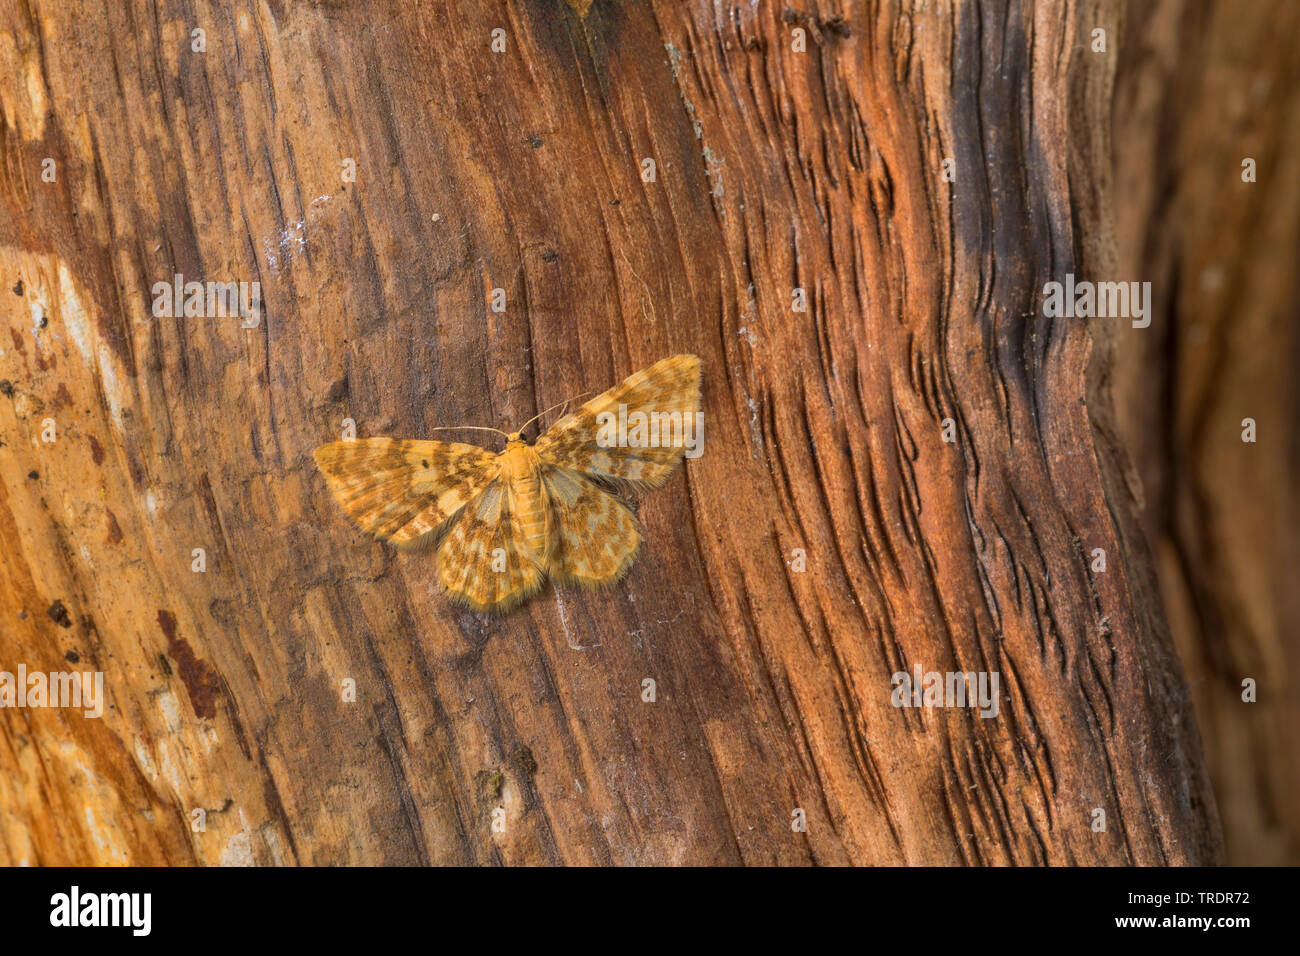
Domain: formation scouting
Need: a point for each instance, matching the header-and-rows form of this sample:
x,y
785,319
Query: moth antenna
x,y
552,408
475,428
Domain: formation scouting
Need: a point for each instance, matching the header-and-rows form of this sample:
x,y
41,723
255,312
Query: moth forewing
x,y
620,435
403,490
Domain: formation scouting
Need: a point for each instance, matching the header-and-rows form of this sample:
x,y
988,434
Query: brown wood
x,y
1221,84
775,169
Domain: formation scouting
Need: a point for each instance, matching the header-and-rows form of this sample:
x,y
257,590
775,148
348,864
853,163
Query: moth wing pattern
x,y
401,490
467,553
671,385
594,537
508,520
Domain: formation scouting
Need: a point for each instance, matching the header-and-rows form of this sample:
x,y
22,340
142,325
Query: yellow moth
x,y
505,521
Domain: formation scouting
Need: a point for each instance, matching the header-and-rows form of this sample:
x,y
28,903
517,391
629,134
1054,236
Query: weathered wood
x,y
1210,85
775,169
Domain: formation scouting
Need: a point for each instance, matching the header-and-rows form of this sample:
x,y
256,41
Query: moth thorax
x,y
519,460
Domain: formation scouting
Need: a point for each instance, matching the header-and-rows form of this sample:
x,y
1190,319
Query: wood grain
x,y
775,169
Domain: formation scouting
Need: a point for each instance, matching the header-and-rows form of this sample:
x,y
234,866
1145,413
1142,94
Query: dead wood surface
x,y
776,169
1213,84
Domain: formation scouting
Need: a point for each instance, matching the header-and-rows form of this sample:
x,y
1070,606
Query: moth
x,y
505,521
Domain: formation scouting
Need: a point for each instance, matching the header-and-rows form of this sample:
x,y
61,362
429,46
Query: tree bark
x,y
775,169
